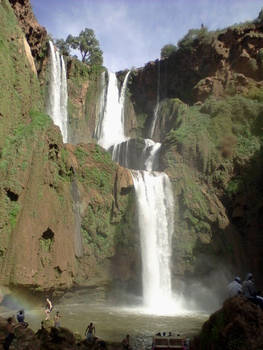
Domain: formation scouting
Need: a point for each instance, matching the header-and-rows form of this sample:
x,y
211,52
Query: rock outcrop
x,y
218,64
51,338
36,35
237,325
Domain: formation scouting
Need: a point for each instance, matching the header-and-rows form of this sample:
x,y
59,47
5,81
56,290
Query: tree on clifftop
x,y
88,46
63,47
167,50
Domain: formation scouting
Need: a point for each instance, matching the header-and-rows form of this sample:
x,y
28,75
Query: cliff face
x,y
206,64
66,212
209,121
84,88
35,34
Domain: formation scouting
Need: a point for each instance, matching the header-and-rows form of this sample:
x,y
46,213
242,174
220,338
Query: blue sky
x,y
132,32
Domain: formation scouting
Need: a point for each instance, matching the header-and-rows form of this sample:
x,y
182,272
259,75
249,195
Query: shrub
x,y
168,50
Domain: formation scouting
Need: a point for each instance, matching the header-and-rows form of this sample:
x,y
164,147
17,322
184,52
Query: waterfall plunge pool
x,y
113,323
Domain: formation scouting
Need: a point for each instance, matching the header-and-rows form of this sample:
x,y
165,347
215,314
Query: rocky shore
x,y
50,338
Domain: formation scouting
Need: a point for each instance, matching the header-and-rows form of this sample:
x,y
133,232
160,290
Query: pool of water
x,y
113,323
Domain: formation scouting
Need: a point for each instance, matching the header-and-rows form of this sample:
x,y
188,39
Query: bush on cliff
x,y
195,36
168,50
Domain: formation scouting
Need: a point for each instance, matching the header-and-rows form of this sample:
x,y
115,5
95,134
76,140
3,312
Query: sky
x,y
132,32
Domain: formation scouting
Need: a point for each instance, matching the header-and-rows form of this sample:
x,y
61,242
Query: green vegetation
x,y
14,210
45,244
195,36
63,47
81,155
167,50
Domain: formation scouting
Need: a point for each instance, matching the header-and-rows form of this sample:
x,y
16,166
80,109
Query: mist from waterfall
x,y
111,128
57,103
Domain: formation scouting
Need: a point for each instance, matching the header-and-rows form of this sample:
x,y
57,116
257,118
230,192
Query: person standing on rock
x,y
250,291
48,308
90,332
126,343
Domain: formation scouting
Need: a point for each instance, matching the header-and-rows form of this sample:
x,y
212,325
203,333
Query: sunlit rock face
x,y
66,211
36,35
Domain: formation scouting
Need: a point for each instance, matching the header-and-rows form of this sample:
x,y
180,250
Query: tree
x,y
63,47
88,46
167,50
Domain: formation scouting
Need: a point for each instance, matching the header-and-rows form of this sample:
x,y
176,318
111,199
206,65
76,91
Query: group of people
x,y
246,288
20,317
159,334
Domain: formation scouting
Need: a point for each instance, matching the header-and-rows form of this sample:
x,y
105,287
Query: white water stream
x,y
155,207
154,195
111,130
58,95
156,109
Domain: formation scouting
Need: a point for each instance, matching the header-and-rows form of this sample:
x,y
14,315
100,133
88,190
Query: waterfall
x,y
103,97
151,162
111,130
155,211
130,154
58,96
154,195
156,109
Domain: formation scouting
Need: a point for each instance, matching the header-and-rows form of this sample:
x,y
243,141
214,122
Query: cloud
x,y
132,32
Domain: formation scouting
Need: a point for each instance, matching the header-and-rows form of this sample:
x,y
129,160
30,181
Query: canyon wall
x,y
209,122
67,213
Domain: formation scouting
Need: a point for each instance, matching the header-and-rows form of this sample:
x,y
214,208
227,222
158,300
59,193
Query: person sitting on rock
x,y
234,288
250,291
20,316
10,327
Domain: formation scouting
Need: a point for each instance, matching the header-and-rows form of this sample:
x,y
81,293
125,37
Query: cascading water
x,y
58,96
103,97
154,198
156,109
155,211
130,154
111,129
